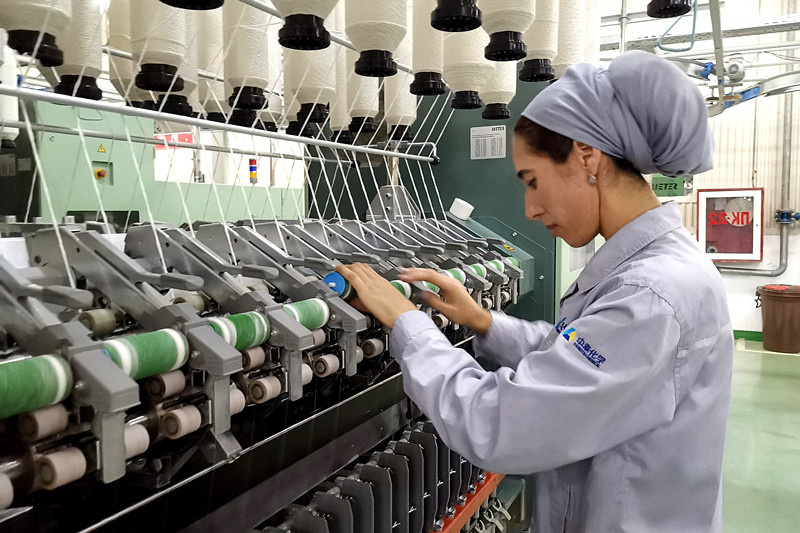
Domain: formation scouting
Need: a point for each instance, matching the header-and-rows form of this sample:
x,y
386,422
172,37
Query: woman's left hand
x,y
375,294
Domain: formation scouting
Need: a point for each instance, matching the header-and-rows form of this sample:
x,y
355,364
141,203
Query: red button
x,y
100,173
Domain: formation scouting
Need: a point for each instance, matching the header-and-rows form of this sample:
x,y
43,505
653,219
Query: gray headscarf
x,y
642,109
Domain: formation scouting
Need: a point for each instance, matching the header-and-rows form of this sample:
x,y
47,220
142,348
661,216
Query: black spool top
x,y
466,100
24,42
664,9
363,125
304,32
456,15
428,84
313,113
376,64
158,77
248,98
496,112
81,86
199,5
505,46
537,70
175,104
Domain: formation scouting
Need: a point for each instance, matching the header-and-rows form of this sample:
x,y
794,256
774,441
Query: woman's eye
x,y
532,184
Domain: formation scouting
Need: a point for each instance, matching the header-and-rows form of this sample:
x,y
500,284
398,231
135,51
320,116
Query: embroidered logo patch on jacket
x,y
571,336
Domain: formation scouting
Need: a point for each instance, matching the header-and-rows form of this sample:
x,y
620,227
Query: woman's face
x,y
558,195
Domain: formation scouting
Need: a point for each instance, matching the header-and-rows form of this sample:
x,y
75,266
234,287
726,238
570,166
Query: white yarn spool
x,y
499,18
246,63
571,39
275,102
48,16
340,118
465,69
83,51
137,440
210,51
310,76
9,107
120,69
399,105
6,492
542,35
318,8
428,51
377,29
59,468
500,89
592,46
362,95
158,37
187,70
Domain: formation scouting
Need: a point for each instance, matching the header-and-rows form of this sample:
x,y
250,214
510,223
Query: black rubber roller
x,y
159,77
466,100
304,32
537,70
428,84
496,112
456,15
80,86
363,125
505,46
248,98
24,42
376,64
199,5
664,9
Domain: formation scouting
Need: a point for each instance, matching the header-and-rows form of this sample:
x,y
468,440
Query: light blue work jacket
x,y
620,408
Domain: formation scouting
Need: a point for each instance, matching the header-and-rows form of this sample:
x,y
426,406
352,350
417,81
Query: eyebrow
x,y
521,174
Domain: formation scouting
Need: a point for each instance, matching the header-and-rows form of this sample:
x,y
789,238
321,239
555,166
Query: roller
x,y
303,23
83,52
427,59
210,54
431,287
312,314
325,365
340,286
362,100
309,76
465,69
191,298
457,274
399,104
9,105
25,19
306,374
238,401
101,322
6,491
499,90
359,355
513,261
505,22
243,330
264,389
478,269
486,303
159,44
505,297
182,421
571,38
145,355
440,320
137,440
403,287
43,422
456,16
33,382
56,469
319,337
375,29
253,357
498,265
372,348
165,385
246,63
542,41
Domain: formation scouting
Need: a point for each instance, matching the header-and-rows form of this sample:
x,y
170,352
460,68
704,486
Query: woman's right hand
x,y
453,300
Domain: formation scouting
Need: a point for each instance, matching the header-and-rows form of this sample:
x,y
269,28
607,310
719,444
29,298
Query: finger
x,y
352,275
425,274
358,306
432,300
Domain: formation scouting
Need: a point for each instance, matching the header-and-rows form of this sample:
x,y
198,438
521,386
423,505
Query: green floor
x,y
762,454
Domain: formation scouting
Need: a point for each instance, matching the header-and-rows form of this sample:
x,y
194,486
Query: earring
x,y
592,179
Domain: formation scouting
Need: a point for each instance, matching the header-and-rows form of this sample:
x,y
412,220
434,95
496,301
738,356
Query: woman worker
x,y
620,408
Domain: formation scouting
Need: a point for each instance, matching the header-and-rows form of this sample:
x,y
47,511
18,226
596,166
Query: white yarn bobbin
x,y
44,422
83,52
137,440
340,117
542,41
238,401
486,303
400,106
375,29
246,62
466,71
362,98
210,51
505,22
359,355
264,389
6,492
9,105
499,90
428,43
182,421
158,37
59,468
306,374
51,17
325,365
571,39
310,76
253,357
592,44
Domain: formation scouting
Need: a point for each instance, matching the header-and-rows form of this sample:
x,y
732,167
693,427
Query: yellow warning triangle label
x,y
101,149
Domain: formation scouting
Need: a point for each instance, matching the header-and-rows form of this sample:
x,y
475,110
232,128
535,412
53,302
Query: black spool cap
x,y
24,42
313,113
81,86
496,112
537,70
175,104
400,133
376,64
215,117
664,9
505,46
8,144
456,15
248,97
295,127
304,32
466,100
428,84
363,125
343,136
247,118
158,77
268,126
199,5
144,104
